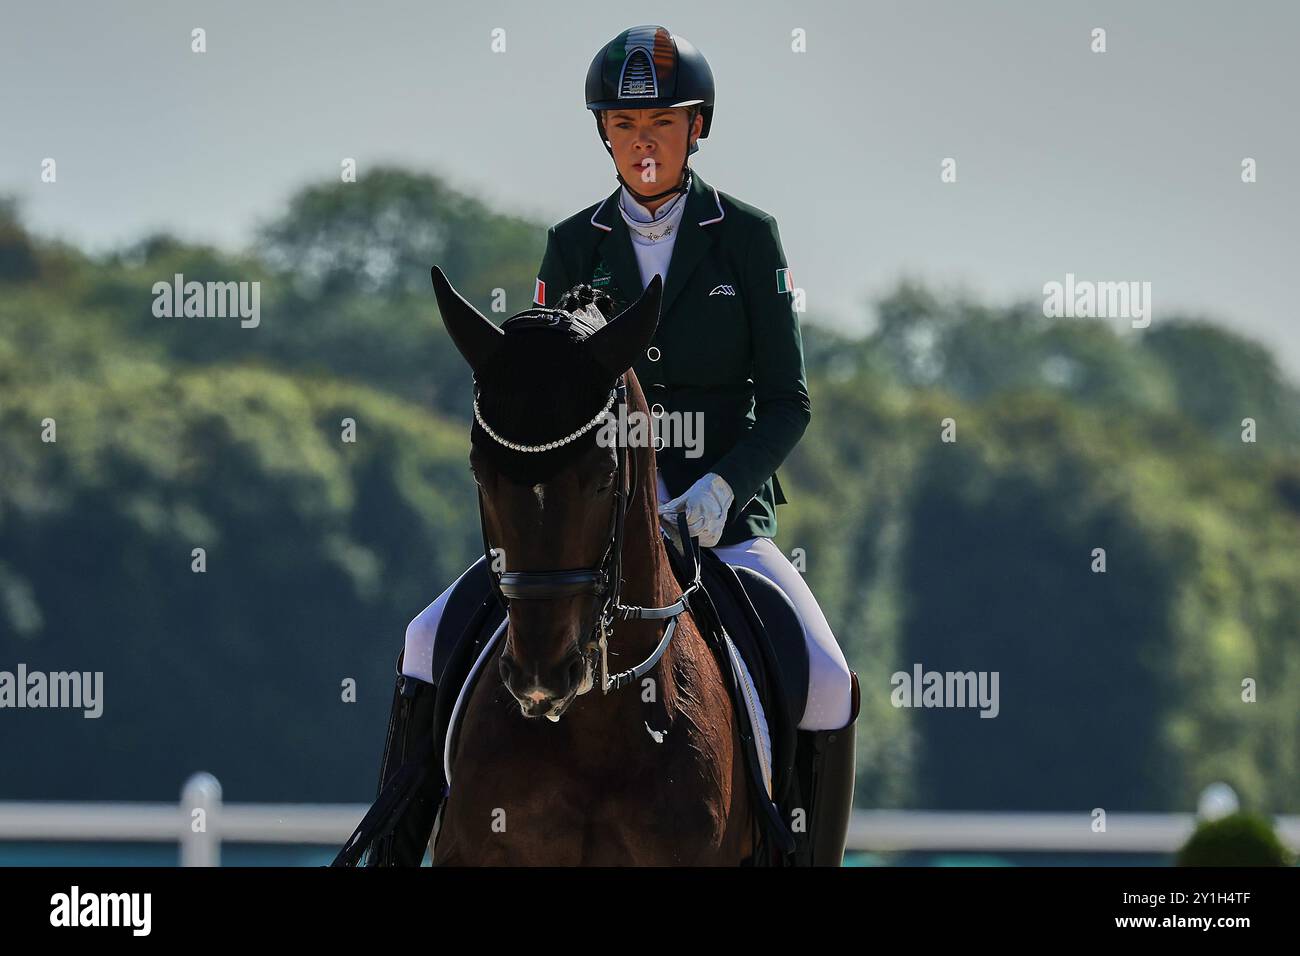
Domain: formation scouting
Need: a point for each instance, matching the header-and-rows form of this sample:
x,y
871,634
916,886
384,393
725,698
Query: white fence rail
x,y
886,830
201,823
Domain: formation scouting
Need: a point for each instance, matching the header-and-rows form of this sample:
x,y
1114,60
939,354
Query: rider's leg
x,y
825,756
830,687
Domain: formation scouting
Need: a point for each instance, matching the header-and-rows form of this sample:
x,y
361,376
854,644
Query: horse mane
x,y
542,385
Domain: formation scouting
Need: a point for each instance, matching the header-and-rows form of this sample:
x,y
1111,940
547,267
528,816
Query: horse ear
x,y
475,335
618,342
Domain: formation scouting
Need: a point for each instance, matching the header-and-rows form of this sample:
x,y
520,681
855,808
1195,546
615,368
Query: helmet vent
x,y
638,77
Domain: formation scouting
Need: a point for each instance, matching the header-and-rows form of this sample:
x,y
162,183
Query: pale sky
x,y
1116,166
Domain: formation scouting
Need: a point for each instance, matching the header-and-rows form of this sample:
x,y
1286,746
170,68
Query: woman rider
x,y
728,347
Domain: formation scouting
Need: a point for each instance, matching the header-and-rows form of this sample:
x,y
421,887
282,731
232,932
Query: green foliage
x,y
1220,377
1198,371
1240,839
379,236
1120,689
317,554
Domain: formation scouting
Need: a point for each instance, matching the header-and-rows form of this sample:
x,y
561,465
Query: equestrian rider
x,y
728,346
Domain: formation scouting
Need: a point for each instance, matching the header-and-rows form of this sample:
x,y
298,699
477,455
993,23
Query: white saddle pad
x,y
756,716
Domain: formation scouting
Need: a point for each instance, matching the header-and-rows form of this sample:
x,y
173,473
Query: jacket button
x,y
652,353
657,410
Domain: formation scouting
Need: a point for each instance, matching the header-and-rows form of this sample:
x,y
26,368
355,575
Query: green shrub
x,y
1240,839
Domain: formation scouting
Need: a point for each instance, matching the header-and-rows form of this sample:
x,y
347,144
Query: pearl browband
x,y
572,436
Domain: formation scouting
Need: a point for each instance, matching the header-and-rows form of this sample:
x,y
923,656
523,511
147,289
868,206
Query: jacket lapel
x,y
615,249
693,241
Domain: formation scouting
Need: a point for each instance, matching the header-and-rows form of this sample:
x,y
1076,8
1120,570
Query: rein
x,y
604,581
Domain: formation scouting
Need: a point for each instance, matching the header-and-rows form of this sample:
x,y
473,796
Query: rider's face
x,y
650,145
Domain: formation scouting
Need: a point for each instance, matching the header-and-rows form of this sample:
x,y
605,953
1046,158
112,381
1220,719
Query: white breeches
x,y
830,689
829,685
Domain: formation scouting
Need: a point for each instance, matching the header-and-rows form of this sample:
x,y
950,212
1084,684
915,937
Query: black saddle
x,y
784,631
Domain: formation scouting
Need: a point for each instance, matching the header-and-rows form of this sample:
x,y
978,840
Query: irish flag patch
x,y
783,281
539,293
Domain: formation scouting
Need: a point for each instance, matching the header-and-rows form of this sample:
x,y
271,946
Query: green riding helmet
x,y
647,67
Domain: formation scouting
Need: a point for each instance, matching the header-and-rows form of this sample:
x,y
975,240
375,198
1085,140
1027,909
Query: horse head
x,y
550,490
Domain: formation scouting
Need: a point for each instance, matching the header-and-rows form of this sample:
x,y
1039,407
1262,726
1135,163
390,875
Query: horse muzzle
x,y
547,692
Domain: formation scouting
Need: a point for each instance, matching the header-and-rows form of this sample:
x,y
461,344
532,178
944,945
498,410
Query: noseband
x,y
604,581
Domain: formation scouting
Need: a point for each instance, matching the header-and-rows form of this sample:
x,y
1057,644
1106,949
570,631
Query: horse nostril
x,y
508,668
577,670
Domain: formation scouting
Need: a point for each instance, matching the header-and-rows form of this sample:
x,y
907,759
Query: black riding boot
x,y
827,762
397,828
405,845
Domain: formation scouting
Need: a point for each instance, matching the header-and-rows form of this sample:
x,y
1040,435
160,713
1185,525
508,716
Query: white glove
x,y
705,503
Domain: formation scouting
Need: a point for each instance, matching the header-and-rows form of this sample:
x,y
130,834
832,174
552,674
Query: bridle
x,y
604,581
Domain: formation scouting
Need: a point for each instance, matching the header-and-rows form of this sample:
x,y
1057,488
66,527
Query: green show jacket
x,y
728,343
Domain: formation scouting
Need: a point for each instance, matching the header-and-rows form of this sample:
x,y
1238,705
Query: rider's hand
x,y
705,503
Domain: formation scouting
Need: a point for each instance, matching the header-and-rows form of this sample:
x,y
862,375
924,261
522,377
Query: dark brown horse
x,y
647,774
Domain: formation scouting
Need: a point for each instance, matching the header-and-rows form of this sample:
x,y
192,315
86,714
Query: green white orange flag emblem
x,y
783,281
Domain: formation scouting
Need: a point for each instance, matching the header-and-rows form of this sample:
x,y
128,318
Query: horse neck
x,y
647,576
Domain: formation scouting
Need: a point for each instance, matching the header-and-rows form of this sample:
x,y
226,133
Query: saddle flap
x,y
728,589
784,631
